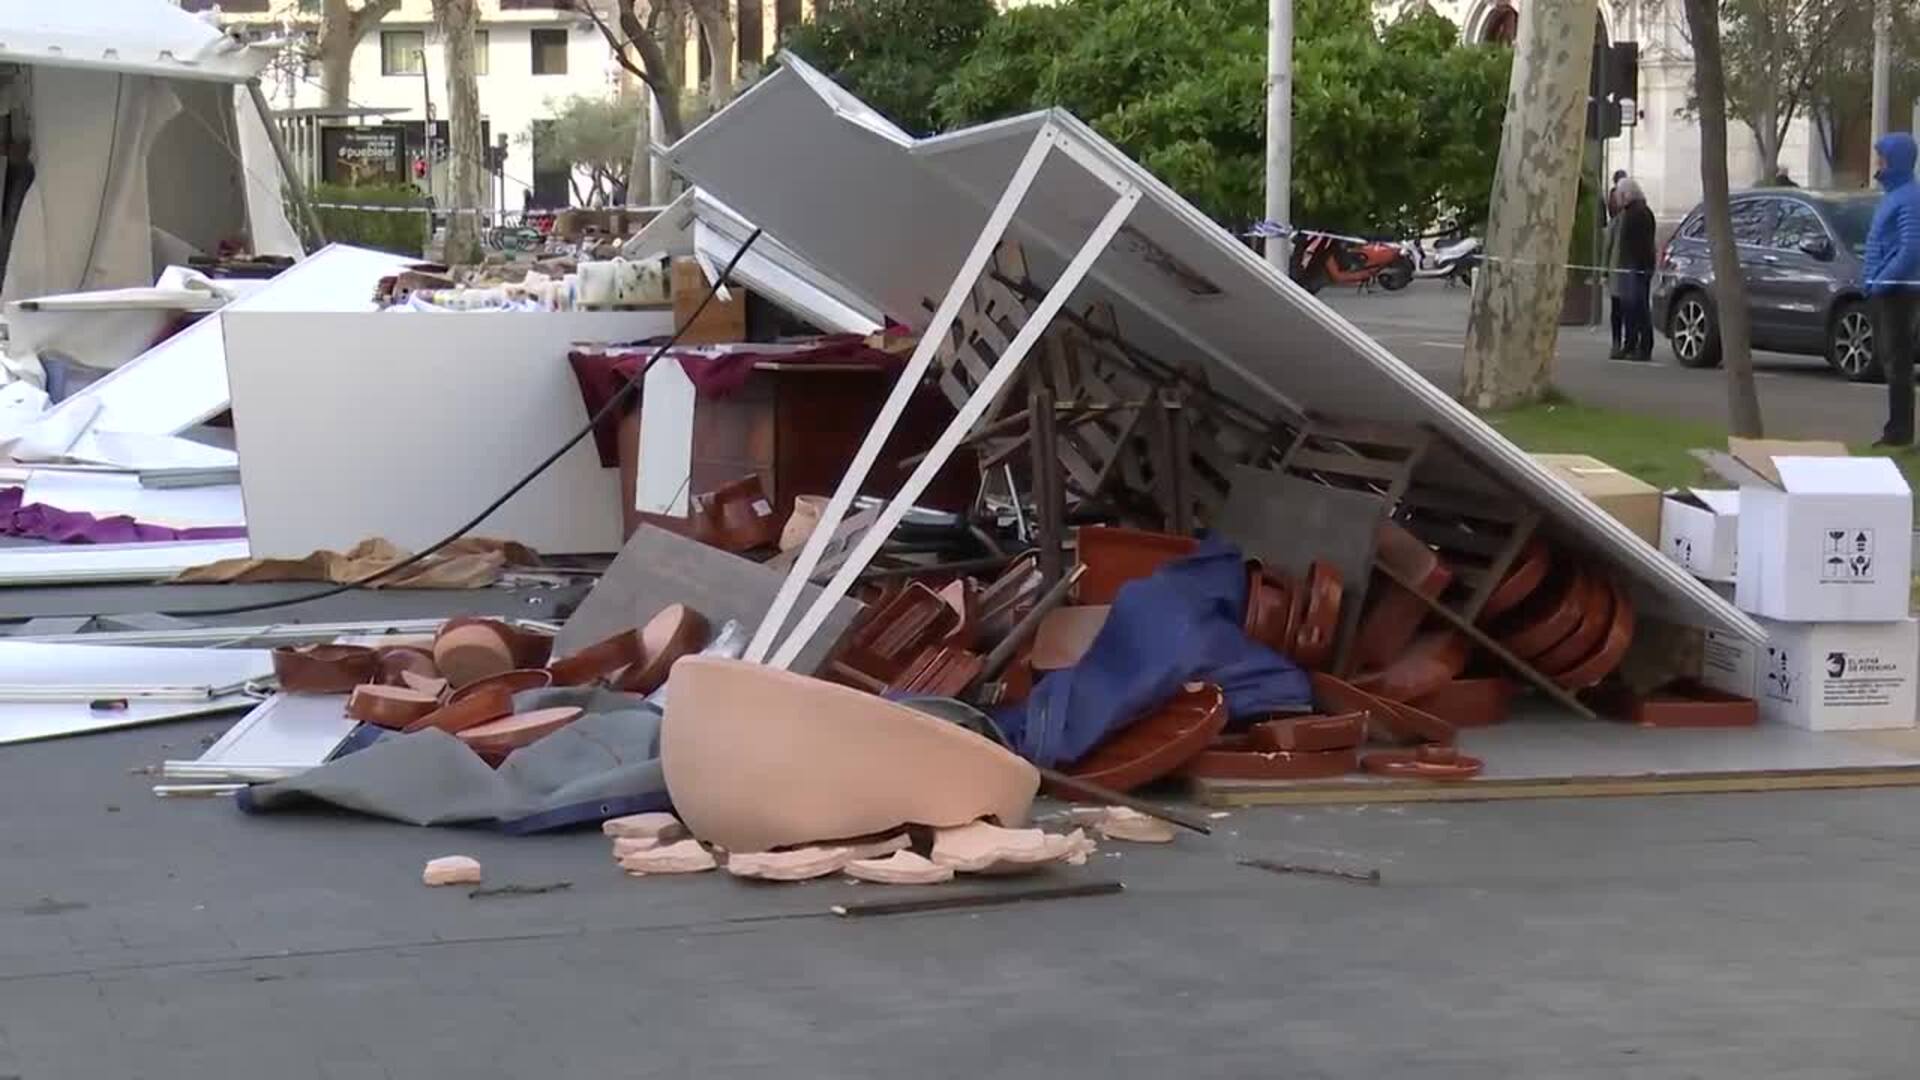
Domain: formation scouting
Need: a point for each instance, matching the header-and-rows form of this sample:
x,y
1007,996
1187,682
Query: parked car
x,y
1800,252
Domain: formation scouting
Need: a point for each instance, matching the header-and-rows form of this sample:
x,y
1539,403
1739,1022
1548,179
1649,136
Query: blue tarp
x,y
1181,625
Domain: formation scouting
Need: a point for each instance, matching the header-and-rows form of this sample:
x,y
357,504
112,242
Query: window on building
x,y
402,51
787,14
480,65
549,52
752,36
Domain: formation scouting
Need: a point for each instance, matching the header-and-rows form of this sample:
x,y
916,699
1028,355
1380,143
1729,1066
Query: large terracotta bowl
x,y
758,758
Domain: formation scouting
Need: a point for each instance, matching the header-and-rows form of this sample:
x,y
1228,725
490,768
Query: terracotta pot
x,y
482,706
1547,617
676,631
530,648
898,631
468,652
513,682
757,758
1526,575
1065,634
1156,744
1611,651
735,516
391,707
807,511
496,739
1269,608
1313,638
1271,764
398,661
1691,705
1432,661
597,661
1468,703
1314,734
1394,615
1115,556
325,669
1596,615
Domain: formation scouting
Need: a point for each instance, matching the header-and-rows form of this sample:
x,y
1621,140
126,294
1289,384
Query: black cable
x,y
620,396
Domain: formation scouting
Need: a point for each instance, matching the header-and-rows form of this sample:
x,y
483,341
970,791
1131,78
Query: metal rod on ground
x,y
964,566
1002,654
296,190
1480,637
973,900
1274,866
1096,793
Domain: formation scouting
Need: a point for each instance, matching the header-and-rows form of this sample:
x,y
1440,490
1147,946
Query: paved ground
x,y
1733,936
1799,396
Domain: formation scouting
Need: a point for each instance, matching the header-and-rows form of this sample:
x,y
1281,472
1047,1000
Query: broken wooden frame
x,y
1126,196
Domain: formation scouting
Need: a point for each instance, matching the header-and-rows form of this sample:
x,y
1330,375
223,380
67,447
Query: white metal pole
x,y
1279,125
1882,65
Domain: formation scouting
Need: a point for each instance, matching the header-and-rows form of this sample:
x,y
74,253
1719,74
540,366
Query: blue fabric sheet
x,y
1181,625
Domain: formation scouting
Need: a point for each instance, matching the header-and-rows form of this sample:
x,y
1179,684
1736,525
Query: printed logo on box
x,y
1846,557
1855,681
1781,684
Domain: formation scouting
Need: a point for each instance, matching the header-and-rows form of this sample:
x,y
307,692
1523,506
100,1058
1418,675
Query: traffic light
x,y
1613,89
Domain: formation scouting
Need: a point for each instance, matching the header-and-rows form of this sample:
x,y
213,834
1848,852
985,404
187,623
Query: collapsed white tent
x,y
145,137
907,221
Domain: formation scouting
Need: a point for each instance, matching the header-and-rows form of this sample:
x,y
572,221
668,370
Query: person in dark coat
x,y
1616,302
1892,267
1636,264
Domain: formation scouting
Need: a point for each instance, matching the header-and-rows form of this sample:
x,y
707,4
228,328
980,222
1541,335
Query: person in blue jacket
x,y
1892,278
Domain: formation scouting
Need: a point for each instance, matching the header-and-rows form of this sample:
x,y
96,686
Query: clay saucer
x,y
512,682
1297,599
1547,617
1395,615
1269,602
674,632
325,669
1271,764
1433,660
470,651
1596,615
1467,703
1313,638
1425,763
1392,719
1310,733
390,707
1065,634
1156,744
483,706
1691,705
1526,575
503,736
1611,651
530,648
597,661
1115,556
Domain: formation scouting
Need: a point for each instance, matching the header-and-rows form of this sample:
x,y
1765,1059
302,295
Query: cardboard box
x,y
724,321
1633,502
1731,664
1837,676
1833,542
1700,531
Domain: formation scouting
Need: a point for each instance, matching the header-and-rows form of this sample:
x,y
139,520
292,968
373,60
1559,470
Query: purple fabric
x,y
39,522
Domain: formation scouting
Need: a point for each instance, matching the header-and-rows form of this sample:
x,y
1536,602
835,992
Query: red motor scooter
x,y
1319,259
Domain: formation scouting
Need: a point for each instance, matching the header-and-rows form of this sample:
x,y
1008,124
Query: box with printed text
x,y
1831,542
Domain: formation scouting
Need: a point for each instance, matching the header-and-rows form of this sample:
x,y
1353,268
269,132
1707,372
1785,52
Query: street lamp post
x,y
1279,126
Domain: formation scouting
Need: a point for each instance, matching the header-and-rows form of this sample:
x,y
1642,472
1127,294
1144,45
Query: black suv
x,y
1800,252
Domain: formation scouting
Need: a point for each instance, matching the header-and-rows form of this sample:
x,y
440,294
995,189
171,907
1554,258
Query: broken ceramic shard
x,y
981,848
451,870
900,868
875,849
758,758
658,827
682,857
798,864
1122,823
624,846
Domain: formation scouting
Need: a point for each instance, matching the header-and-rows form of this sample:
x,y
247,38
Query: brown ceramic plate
x,y
1596,614
1157,743
405,660
325,669
511,681
1394,615
521,729
1433,660
1611,651
597,661
530,648
1426,763
390,707
1310,733
472,711
1547,617
1313,639
1115,556
468,651
1526,574
675,631
1475,702
1271,764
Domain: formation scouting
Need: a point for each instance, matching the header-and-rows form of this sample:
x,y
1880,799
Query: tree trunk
x,y
716,25
341,28
1767,140
662,75
466,156
639,172
1729,287
1517,295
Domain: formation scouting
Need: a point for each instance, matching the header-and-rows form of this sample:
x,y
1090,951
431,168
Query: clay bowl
x,y
513,682
1271,764
1314,734
391,707
466,652
1269,603
1596,615
1433,660
676,631
1611,650
1526,575
481,707
597,661
498,738
403,660
1547,617
530,648
1156,744
757,758
1394,615
1313,637
1468,703
1389,719
1689,704
325,669
1115,556
1065,634
900,628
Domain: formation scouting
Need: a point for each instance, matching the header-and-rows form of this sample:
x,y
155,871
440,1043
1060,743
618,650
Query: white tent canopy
x,y
140,37
894,218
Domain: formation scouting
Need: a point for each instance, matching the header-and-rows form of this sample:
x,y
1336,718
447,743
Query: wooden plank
x,y
1516,543
1244,793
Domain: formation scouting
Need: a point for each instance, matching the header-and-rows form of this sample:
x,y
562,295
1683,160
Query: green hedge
x,y
383,230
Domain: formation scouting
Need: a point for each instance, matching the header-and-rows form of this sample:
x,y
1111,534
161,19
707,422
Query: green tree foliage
x,y
1396,128
594,133
895,52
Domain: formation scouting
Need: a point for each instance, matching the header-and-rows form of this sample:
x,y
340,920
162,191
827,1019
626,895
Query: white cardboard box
x,y
1731,664
1827,676
1832,543
1699,529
